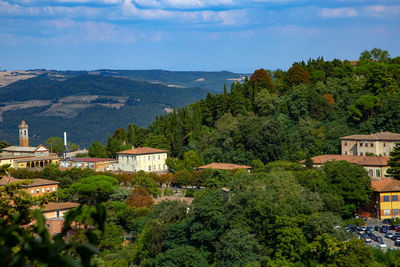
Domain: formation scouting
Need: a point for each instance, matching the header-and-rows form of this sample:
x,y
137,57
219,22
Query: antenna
x,y
66,150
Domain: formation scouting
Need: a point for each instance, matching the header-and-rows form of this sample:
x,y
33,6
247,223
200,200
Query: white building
x,y
143,159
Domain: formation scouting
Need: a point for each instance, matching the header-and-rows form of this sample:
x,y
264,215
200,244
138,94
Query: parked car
x,y
372,236
377,228
395,237
363,228
370,228
381,245
386,221
389,235
367,239
378,239
397,243
383,230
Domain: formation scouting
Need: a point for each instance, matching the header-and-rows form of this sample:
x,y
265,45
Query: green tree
x,y
97,150
394,162
51,172
349,183
56,144
95,189
296,75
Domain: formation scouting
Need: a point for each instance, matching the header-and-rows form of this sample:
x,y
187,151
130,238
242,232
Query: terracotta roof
x,y
359,160
223,166
35,182
386,185
52,206
142,150
376,136
26,159
90,159
353,62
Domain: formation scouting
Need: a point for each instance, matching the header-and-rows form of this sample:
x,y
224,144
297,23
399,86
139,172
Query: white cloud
x,y
342,12
382,11
184,4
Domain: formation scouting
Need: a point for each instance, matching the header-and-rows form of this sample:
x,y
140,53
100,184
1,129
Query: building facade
x,y
97,164
379,144
375,166
142,159
37,187
385,203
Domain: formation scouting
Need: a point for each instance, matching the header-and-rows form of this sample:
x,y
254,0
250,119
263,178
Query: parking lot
x,y
372,222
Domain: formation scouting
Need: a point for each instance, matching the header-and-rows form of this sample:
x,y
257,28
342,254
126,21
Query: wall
x,y
389,206
41,188
148,163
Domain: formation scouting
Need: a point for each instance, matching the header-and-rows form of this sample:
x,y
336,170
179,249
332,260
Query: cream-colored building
x,y
375,166
379,144
143,159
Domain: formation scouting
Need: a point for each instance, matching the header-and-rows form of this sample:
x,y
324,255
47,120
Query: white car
x,y
382,245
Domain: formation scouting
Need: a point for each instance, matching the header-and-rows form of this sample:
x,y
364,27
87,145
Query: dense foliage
x,y
287,115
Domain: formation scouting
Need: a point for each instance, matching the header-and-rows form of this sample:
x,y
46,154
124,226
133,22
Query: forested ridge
x,y
278,115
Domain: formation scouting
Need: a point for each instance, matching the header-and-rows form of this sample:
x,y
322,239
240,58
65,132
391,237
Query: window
x,y
345,143
384,144
385,198
74,164
62,164
395,212
42,190
360,144
371,173
86,165
37,190
54,188
48,189
361,153
372,144
58,213
148,157
31,191
378,173
79,165
395,198
158,156
345,152
67,164
149,167
386,212
366,144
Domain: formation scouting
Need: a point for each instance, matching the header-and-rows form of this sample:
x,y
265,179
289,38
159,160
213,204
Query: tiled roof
x,y
386,185
91,159
376,136
359,160
38,158
35,182
20,149
52,206
142,150
224,166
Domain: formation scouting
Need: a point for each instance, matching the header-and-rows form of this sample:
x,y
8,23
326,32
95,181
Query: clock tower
x,y
23,134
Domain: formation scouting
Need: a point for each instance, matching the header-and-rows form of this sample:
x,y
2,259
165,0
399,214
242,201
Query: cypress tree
x,y
394,162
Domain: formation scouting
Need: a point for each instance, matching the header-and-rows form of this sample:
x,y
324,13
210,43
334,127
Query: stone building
x,y
378,144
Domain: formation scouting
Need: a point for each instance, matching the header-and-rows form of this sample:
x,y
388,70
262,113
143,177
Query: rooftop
x,y
376,136
91,159
386,185
52,206
223,166
35,182
143,150
359,160
26,159
23,148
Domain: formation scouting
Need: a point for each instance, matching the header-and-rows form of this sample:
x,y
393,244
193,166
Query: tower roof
x,y
23,122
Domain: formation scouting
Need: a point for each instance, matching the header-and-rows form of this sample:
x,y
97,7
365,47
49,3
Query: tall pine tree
x,y
394,162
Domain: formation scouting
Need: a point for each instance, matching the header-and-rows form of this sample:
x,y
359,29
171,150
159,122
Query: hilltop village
x,y
287,168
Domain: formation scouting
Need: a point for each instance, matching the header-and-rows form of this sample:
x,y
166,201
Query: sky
x,y
210,35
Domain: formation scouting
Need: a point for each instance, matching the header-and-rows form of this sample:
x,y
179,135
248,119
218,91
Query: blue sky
x,y
191,34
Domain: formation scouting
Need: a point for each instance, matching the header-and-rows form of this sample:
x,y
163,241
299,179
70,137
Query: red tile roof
x,y
376,136
386,185
35,182
52,206
223,166
359,160
142,150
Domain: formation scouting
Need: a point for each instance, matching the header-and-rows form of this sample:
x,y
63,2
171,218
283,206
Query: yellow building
x,y
386,198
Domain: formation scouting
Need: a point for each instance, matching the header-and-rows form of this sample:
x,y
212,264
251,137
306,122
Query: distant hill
x,y
87,106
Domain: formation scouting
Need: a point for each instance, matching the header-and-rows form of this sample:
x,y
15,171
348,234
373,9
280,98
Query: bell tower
x,y
23,134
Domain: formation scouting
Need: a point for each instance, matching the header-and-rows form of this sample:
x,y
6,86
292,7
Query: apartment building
x,y
379,144
142,159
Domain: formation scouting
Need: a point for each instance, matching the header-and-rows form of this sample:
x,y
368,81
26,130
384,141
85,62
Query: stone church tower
x,y
23,134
